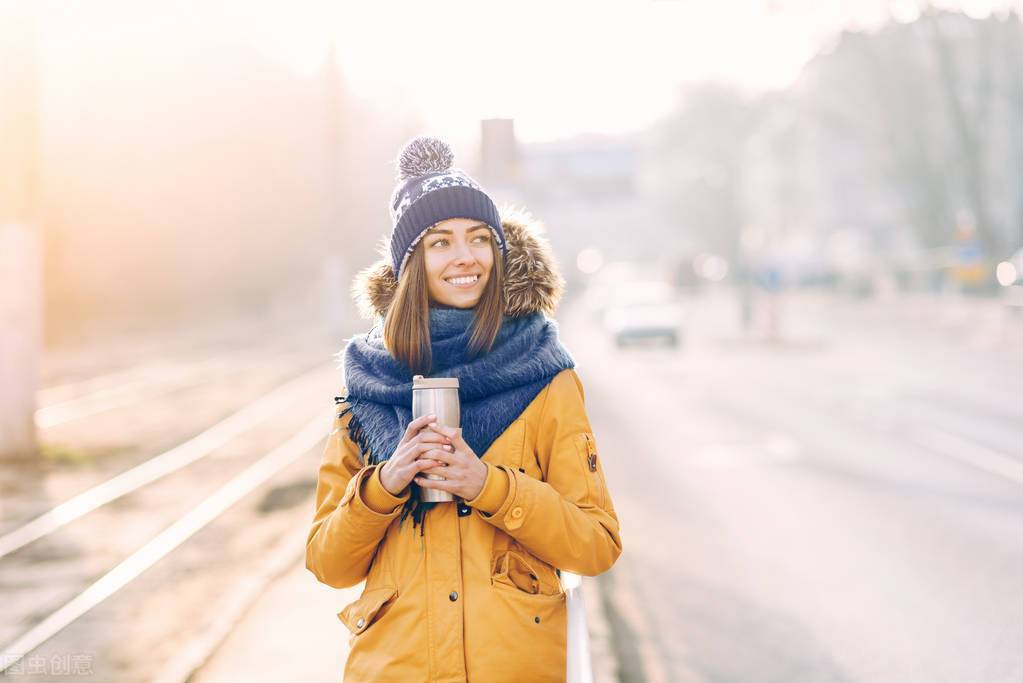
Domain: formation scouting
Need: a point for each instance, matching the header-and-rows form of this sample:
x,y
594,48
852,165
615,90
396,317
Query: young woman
x,y
467,590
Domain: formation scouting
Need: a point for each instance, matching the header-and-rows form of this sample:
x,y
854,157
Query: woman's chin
x,y
468,300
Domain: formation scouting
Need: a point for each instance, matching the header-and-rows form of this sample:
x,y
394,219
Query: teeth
x,y
463,280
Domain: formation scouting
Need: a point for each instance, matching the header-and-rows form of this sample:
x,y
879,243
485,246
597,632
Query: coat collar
x,y
532,281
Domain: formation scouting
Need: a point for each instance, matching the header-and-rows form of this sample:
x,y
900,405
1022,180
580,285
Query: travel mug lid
x,y
420,382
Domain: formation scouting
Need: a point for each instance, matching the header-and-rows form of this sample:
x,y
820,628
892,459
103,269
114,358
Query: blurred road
x,y
846,505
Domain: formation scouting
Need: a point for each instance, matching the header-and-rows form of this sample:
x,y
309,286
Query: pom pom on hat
x,y
422,155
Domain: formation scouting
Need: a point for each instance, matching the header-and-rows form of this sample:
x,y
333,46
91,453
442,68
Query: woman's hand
x,y
464,473
408,460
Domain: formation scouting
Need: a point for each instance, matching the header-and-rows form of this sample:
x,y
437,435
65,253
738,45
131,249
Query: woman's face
x,y
456,249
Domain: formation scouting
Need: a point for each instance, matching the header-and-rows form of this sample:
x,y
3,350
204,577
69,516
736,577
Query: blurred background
x,y
792,233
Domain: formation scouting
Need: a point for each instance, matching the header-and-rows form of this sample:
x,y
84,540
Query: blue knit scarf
x,y
494,388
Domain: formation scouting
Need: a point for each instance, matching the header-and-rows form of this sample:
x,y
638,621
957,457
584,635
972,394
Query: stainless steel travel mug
x,y
439,396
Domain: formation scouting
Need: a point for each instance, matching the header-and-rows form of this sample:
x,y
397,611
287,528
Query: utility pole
x,y
337,267
20,240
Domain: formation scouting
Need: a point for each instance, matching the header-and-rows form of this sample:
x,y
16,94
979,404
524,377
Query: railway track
x,y
296,415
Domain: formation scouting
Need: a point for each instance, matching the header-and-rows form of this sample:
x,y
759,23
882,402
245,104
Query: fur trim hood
x,y
532,282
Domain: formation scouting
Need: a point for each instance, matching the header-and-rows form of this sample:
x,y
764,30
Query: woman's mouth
x,y
463,282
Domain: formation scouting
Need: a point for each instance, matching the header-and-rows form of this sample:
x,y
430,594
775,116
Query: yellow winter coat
x,y
474,594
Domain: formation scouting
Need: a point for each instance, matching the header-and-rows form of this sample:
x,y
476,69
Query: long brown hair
x,y
407,324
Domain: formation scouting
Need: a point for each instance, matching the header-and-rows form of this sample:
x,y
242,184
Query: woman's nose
x,y
463,254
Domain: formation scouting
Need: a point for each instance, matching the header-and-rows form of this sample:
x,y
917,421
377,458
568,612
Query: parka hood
x,y
532,282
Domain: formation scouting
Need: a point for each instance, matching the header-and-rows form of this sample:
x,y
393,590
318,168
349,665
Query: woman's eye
x,y
483,239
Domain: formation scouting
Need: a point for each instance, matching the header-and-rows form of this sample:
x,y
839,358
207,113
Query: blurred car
x,y
604,282
644,310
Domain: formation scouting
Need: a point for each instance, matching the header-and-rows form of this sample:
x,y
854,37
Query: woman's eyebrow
x,y
445,231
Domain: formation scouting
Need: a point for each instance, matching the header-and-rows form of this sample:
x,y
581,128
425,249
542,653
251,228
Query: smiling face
x,y
459,258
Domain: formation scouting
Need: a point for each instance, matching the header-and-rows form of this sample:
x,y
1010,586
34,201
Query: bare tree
x,y
969,103
700,151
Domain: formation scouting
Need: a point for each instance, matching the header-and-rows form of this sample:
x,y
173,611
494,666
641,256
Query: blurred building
x,y
590,191
499,153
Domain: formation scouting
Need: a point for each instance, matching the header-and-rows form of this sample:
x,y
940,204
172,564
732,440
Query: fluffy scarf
x,y
494,388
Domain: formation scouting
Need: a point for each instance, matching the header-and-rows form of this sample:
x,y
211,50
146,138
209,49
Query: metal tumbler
x,y
439,396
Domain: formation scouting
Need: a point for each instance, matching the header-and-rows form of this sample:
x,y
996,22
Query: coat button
x,y
360,623
516,513
453,596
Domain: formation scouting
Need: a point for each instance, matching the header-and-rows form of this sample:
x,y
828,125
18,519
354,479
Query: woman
x,y
470,590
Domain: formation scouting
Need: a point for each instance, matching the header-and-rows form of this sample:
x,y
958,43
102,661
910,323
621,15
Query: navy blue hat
x,y
429,191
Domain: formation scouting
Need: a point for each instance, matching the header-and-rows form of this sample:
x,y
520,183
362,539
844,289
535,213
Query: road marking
x,y
169,539
971,453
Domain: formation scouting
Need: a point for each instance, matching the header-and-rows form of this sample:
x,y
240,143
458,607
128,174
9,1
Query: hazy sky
x,y
560,67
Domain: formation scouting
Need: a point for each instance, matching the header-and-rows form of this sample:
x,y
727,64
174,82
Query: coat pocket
x,y
522,572
359,615
531,635
592,472
515,571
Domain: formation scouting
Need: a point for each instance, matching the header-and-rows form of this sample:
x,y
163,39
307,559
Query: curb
x,y
602,653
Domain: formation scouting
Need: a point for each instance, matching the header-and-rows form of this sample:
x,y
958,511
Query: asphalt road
x,y
844,506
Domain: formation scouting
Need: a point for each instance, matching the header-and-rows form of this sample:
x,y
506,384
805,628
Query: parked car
x,y
644,310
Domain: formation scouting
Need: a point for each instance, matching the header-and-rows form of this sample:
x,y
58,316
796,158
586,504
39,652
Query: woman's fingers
x,y
430,436
415,425
419,450
441,470
442,484
424,464
425,448
411,450
454,434
441,455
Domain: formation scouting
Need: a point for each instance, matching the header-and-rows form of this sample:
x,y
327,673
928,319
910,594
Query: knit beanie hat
x,y
429,190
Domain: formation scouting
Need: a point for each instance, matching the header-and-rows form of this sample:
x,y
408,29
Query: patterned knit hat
x,y
429,191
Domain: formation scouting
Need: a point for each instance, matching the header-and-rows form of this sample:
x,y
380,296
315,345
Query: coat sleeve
x,y
568,520
353,511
